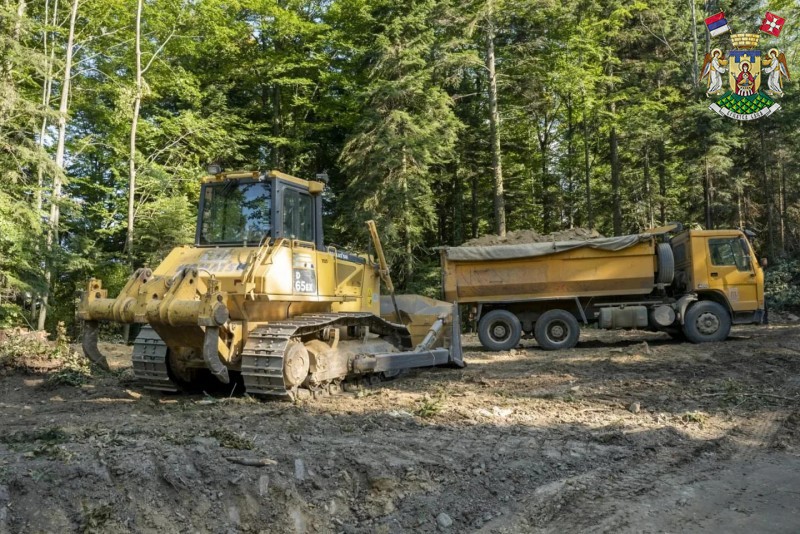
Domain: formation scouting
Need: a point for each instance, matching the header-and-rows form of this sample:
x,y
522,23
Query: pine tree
x,y
407,130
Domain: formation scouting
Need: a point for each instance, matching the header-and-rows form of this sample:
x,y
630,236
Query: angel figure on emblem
x,y
777,71
713,70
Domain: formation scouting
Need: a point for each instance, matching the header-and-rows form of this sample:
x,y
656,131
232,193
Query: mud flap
x,y
89,344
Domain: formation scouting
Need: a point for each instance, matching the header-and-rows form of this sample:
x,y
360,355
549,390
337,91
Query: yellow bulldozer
x,y
259,293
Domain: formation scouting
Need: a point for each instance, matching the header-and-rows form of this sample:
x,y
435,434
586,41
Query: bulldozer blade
x,y
90,345
456,352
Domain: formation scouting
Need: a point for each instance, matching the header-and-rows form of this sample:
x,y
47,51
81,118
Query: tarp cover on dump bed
x,y
529,250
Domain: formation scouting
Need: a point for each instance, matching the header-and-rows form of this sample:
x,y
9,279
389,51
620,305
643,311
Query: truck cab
x,y
720,265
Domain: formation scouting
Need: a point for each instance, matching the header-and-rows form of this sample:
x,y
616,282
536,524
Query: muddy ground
x,y
629,432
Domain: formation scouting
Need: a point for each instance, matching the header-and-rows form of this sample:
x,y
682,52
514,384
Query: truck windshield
x,y
236,212
729,251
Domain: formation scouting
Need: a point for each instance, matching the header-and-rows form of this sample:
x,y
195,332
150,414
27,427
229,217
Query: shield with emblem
x,y
745,100
744,67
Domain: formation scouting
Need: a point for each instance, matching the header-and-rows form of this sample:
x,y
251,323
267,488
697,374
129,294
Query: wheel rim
x,y
707,323
557,331
499,331
295,366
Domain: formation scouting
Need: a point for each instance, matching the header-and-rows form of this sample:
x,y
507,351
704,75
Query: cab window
x,y
729,251
236,212
298,215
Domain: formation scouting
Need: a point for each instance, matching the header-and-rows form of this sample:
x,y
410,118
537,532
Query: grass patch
x,y
231,440
694,417
95,517
428,407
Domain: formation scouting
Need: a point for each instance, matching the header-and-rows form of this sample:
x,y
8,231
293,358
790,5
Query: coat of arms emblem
x,y
746,95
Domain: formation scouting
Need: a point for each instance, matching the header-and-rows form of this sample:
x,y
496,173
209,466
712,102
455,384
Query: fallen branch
x,y
252,462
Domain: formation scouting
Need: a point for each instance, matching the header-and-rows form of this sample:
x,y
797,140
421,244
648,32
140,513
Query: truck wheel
x,y
557,329
706,321
499,330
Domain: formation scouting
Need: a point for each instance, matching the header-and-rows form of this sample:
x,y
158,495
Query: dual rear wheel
x,y
555,329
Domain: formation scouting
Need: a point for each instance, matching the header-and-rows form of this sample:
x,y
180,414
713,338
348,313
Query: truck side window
x,y
298,215
729,251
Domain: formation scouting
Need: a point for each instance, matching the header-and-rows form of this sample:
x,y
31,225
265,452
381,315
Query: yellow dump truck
x,y
696,283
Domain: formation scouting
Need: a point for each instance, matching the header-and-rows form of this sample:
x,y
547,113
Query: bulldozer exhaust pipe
x,y
89,344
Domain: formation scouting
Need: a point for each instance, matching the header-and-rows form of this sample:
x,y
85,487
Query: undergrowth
x,y
24,350
782,285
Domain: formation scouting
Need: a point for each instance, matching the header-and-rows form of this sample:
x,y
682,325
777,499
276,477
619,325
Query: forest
x,y
442,120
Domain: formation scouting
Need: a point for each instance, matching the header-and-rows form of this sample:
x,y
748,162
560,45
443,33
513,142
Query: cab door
x,y
730,271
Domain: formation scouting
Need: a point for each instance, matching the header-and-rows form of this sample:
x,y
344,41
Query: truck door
x,y
731,272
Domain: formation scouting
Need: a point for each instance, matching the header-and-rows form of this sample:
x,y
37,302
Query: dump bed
x,y
624,265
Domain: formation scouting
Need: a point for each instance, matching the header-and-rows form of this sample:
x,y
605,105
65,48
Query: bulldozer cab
x,y
251,208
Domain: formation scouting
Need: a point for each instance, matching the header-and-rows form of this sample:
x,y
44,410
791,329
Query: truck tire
x,y
557,329
706,321
666,264
499,330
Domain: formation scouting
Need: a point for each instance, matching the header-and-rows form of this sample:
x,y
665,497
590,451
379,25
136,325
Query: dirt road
x,y
629,432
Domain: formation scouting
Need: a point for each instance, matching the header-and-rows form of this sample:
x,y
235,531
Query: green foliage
x,y
782,285
391,100
25,350
407,128
231,440
428,406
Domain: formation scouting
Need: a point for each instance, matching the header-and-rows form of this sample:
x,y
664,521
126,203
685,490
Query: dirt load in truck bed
x,y
529,236
627,432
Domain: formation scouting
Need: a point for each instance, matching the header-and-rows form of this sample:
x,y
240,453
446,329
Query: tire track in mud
x,y
753,438
601,494
606,496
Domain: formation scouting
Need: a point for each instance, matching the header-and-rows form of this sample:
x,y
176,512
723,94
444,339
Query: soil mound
x,y
530,236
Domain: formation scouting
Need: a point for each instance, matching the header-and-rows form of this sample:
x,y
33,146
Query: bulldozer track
x,y
263,354
150,362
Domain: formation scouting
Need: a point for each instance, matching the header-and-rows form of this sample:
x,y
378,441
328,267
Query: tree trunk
x,y
408,260
662,184
616,197
47,90
769,201
474,202
547,197
739,211
52,234
277,126
695,64
494,129
458,206
707,196
137,103
648,189
570,204
587,171
783,211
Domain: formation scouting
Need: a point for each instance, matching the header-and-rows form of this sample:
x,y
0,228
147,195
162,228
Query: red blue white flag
x,y
717,24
